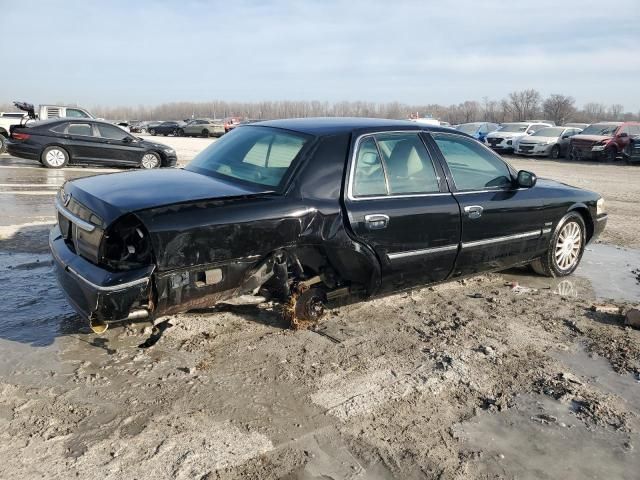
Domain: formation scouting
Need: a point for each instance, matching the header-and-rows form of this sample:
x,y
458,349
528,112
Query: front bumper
x,y
95,293
170,160
537,150
599,225
505,144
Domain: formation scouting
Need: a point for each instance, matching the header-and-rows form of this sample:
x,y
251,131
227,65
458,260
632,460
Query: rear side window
x,y
369,178
393,164
472,166
81,129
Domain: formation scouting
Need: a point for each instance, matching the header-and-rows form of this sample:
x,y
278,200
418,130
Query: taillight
x,y
20,136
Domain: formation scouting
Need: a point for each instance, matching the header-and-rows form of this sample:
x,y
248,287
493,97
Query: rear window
x,y
257,155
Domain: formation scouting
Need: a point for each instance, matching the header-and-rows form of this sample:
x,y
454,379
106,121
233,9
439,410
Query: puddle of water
x,y
519,443
541,437
606,272
609,269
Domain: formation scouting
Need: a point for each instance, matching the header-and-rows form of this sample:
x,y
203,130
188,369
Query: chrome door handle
x,y
473,211
376,221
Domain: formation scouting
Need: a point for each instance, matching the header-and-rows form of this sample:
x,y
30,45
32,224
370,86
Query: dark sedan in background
x,y
59,142
308,211
167,128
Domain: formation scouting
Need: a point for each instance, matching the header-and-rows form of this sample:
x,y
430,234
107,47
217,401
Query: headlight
x,y
600,210
126,245
169,150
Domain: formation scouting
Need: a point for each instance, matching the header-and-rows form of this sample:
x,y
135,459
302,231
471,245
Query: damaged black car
x,y
306,212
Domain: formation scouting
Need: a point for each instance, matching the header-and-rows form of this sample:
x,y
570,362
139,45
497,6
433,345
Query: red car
x,y
602,141
230,123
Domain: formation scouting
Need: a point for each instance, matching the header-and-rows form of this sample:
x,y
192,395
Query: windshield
x,y
605,129
549,132
257,155
469,128
514,127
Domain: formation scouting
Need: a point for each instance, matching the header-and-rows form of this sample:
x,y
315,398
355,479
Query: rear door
x,y
117,146
501,224
397,203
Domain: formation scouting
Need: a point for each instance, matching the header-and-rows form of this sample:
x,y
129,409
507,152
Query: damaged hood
x,y
111,196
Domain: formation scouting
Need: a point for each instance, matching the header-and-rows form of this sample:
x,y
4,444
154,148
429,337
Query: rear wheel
x,y
152,131
555,152
205,132
54,157
181,133
150,160
566,247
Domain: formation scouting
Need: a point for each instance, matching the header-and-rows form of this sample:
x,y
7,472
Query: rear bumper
x,y
23,150
95,293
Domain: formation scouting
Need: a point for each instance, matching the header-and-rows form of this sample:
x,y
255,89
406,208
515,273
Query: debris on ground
x,y
607,308
632,318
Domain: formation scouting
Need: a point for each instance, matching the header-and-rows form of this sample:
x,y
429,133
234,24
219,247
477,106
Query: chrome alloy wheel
x,y
55,157
568,246
149,160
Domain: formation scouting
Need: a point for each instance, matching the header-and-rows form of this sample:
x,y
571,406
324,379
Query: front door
x,y
84,146
117,146
398,204
502,224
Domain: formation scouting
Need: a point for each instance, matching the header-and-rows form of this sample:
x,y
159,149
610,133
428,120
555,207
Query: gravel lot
x,y
467,380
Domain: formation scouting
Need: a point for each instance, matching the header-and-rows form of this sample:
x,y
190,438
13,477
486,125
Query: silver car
x,y
550,142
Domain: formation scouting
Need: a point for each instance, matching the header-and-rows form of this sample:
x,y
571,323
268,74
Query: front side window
x,y
111,132
258,155
472,166
75,113
82,129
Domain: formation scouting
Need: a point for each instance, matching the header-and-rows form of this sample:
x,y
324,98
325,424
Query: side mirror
x,y
623,135
526,179
127,140
564,137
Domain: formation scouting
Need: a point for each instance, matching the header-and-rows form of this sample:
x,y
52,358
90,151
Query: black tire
x,y
54,157
205,133
153,132
181,133
148,163
610,154
572,155
3,143
555,152
550,264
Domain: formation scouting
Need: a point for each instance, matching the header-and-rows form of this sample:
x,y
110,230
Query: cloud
x,y
414,51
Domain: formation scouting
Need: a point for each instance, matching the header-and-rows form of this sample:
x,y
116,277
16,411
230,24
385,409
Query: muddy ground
x,y
505,375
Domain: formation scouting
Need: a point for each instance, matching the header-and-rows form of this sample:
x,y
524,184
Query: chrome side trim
x,y
506,238
72,218
424,251
112,288
546,230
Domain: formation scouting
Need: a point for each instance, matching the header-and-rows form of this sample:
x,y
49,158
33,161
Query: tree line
x,y
516,106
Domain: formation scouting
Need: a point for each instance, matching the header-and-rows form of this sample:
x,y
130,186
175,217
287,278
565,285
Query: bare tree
x,y
524,104
559,108
615,111
594,112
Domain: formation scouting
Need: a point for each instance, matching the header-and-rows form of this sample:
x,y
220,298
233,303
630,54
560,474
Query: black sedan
x,y
59,142
309,211
166,128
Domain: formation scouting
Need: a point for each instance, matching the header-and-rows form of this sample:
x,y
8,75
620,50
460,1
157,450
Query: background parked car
x,y
550,142
56,143
204,127
503,140
602,141
477,130
632,152
230,123
576,125
167,128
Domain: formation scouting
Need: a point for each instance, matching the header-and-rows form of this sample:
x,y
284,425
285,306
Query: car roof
x,y
333,125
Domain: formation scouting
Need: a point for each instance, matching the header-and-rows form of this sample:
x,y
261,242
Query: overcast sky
x,y
149,52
